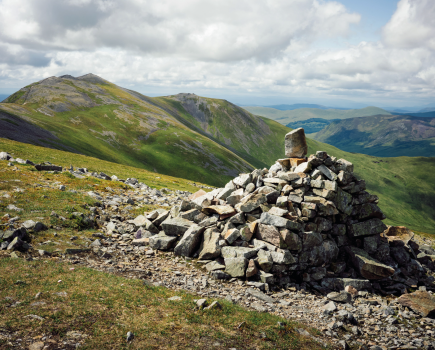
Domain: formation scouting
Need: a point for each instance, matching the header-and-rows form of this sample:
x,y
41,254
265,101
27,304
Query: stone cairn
x,y
304,221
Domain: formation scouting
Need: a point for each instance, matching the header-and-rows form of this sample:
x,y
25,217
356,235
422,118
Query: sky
x,y
344,53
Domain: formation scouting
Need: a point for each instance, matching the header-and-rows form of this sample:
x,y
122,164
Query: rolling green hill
x,y
384,136
190,137
289,116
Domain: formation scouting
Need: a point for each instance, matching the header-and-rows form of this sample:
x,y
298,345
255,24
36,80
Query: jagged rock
x,y
246,233
264,260
260,295
283,257
251,269
420,302
367,228
367,266
214,265
210,248
232,235
296,144
223,210
162,241
236,267
237,252
252,203
190,241
269,234
176,226
291,240
243,180
142,221
342,297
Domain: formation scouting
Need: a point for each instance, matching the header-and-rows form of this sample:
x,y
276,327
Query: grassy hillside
x,y
385,136
247,135
405,185
285,117
92,116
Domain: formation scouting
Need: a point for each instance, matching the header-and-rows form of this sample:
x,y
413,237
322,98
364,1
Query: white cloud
x,y
412,25
267,47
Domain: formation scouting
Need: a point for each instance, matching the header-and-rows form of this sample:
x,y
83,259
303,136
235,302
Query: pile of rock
x,y
305,220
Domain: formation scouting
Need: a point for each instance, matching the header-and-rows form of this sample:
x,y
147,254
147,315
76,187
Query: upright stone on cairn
x,y
295,144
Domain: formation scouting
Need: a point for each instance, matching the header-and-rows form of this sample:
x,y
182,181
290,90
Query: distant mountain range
x,y
290,116
382,136
292,107
311,125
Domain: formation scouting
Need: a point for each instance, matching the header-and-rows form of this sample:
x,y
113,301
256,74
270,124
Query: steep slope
x,y
99,119
285,117
385,136
249,136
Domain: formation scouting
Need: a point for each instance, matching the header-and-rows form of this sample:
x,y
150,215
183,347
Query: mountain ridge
x,y
384,136
286,117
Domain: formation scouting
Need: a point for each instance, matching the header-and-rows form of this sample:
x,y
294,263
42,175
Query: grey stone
x,y
214,265
296,144
237,252
269,233
162,241
243,180
342,297
283,257
327,172
219,275
260,295
277,221
190,241
176,226
264,260
210,248
367,228
367,266
252,203
236,267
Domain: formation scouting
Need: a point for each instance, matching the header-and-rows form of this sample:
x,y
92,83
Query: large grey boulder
x,y
283,257
296,144
237,252
269,233
252,203
264,260
162,241
367,228
142,221
176,226
236,267
367,266
190,241
210,248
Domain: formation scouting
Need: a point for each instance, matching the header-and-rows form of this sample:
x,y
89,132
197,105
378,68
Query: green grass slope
x,y
285,117
385,136
247,135
92,116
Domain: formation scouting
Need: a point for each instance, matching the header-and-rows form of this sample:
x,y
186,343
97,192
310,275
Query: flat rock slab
x,y
260,295
420,302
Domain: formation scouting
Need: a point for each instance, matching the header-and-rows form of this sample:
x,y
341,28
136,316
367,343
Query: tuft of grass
x,y
104,307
